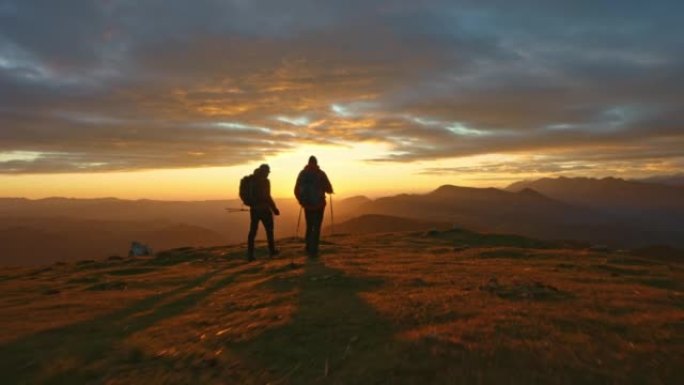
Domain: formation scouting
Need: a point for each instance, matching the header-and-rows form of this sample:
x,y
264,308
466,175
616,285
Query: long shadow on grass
x,y
31,359
337,338
334,336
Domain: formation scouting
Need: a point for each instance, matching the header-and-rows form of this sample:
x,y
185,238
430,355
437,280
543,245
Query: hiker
x,y
312,184
261,208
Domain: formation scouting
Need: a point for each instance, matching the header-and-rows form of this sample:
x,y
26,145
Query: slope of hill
x,y
45,240
104,208
467,203
349,207
52,229
643,211
672,180
610,211
374,223
489,209
398,308
608,193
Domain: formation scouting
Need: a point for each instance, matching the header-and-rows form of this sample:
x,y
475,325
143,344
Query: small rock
x,y
139,249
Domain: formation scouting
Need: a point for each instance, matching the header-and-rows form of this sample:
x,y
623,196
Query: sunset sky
x,y
178,99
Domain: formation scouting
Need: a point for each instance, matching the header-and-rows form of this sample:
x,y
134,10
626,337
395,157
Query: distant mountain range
x,y
53,229
375,223
641,213
481,209
608,193
609,211
672,180
42,240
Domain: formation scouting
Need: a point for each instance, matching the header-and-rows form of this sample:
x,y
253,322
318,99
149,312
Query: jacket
x,y
262,194
322,184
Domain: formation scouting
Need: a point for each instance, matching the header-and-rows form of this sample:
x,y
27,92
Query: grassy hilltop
x,y
450,307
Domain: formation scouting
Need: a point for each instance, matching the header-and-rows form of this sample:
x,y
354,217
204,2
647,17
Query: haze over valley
x,y
611,212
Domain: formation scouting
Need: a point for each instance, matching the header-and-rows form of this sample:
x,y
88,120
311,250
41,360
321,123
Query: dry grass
x,y
446,308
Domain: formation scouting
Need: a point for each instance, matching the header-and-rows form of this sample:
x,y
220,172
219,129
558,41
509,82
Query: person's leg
x,y
308,217
253,227
317,221
267,219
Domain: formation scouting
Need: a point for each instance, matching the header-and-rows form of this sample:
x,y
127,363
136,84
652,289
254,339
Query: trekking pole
x,y
299,219
332,217
232,210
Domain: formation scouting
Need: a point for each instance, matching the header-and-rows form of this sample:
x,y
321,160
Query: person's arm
x,y
298,186
271,202
326,184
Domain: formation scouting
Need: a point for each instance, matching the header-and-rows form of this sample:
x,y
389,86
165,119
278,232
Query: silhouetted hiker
x,y
255,191
312,184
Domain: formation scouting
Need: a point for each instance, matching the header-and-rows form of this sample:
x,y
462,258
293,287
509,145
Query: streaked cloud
x,y
94,86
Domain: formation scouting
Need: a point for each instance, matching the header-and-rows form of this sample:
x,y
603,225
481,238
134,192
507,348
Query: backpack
x,y
311,189
247,190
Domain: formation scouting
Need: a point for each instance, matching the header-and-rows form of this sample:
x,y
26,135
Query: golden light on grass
x,y
380,306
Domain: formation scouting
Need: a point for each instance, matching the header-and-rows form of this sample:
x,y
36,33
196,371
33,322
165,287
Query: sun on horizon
x,y
178,102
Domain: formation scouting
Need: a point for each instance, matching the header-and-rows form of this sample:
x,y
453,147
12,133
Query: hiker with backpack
x,y
255,192
310,189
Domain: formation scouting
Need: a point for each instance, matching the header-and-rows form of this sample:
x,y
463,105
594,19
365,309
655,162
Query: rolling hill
x,y
609,194
527,211
53,229
488,209
609,211
672,180
374,223
399,308
46,240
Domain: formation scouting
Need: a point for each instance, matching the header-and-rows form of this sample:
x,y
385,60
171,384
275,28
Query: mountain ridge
x,y
524,208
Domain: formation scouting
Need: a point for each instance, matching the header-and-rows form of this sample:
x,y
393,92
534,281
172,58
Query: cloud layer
x,y
90,86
